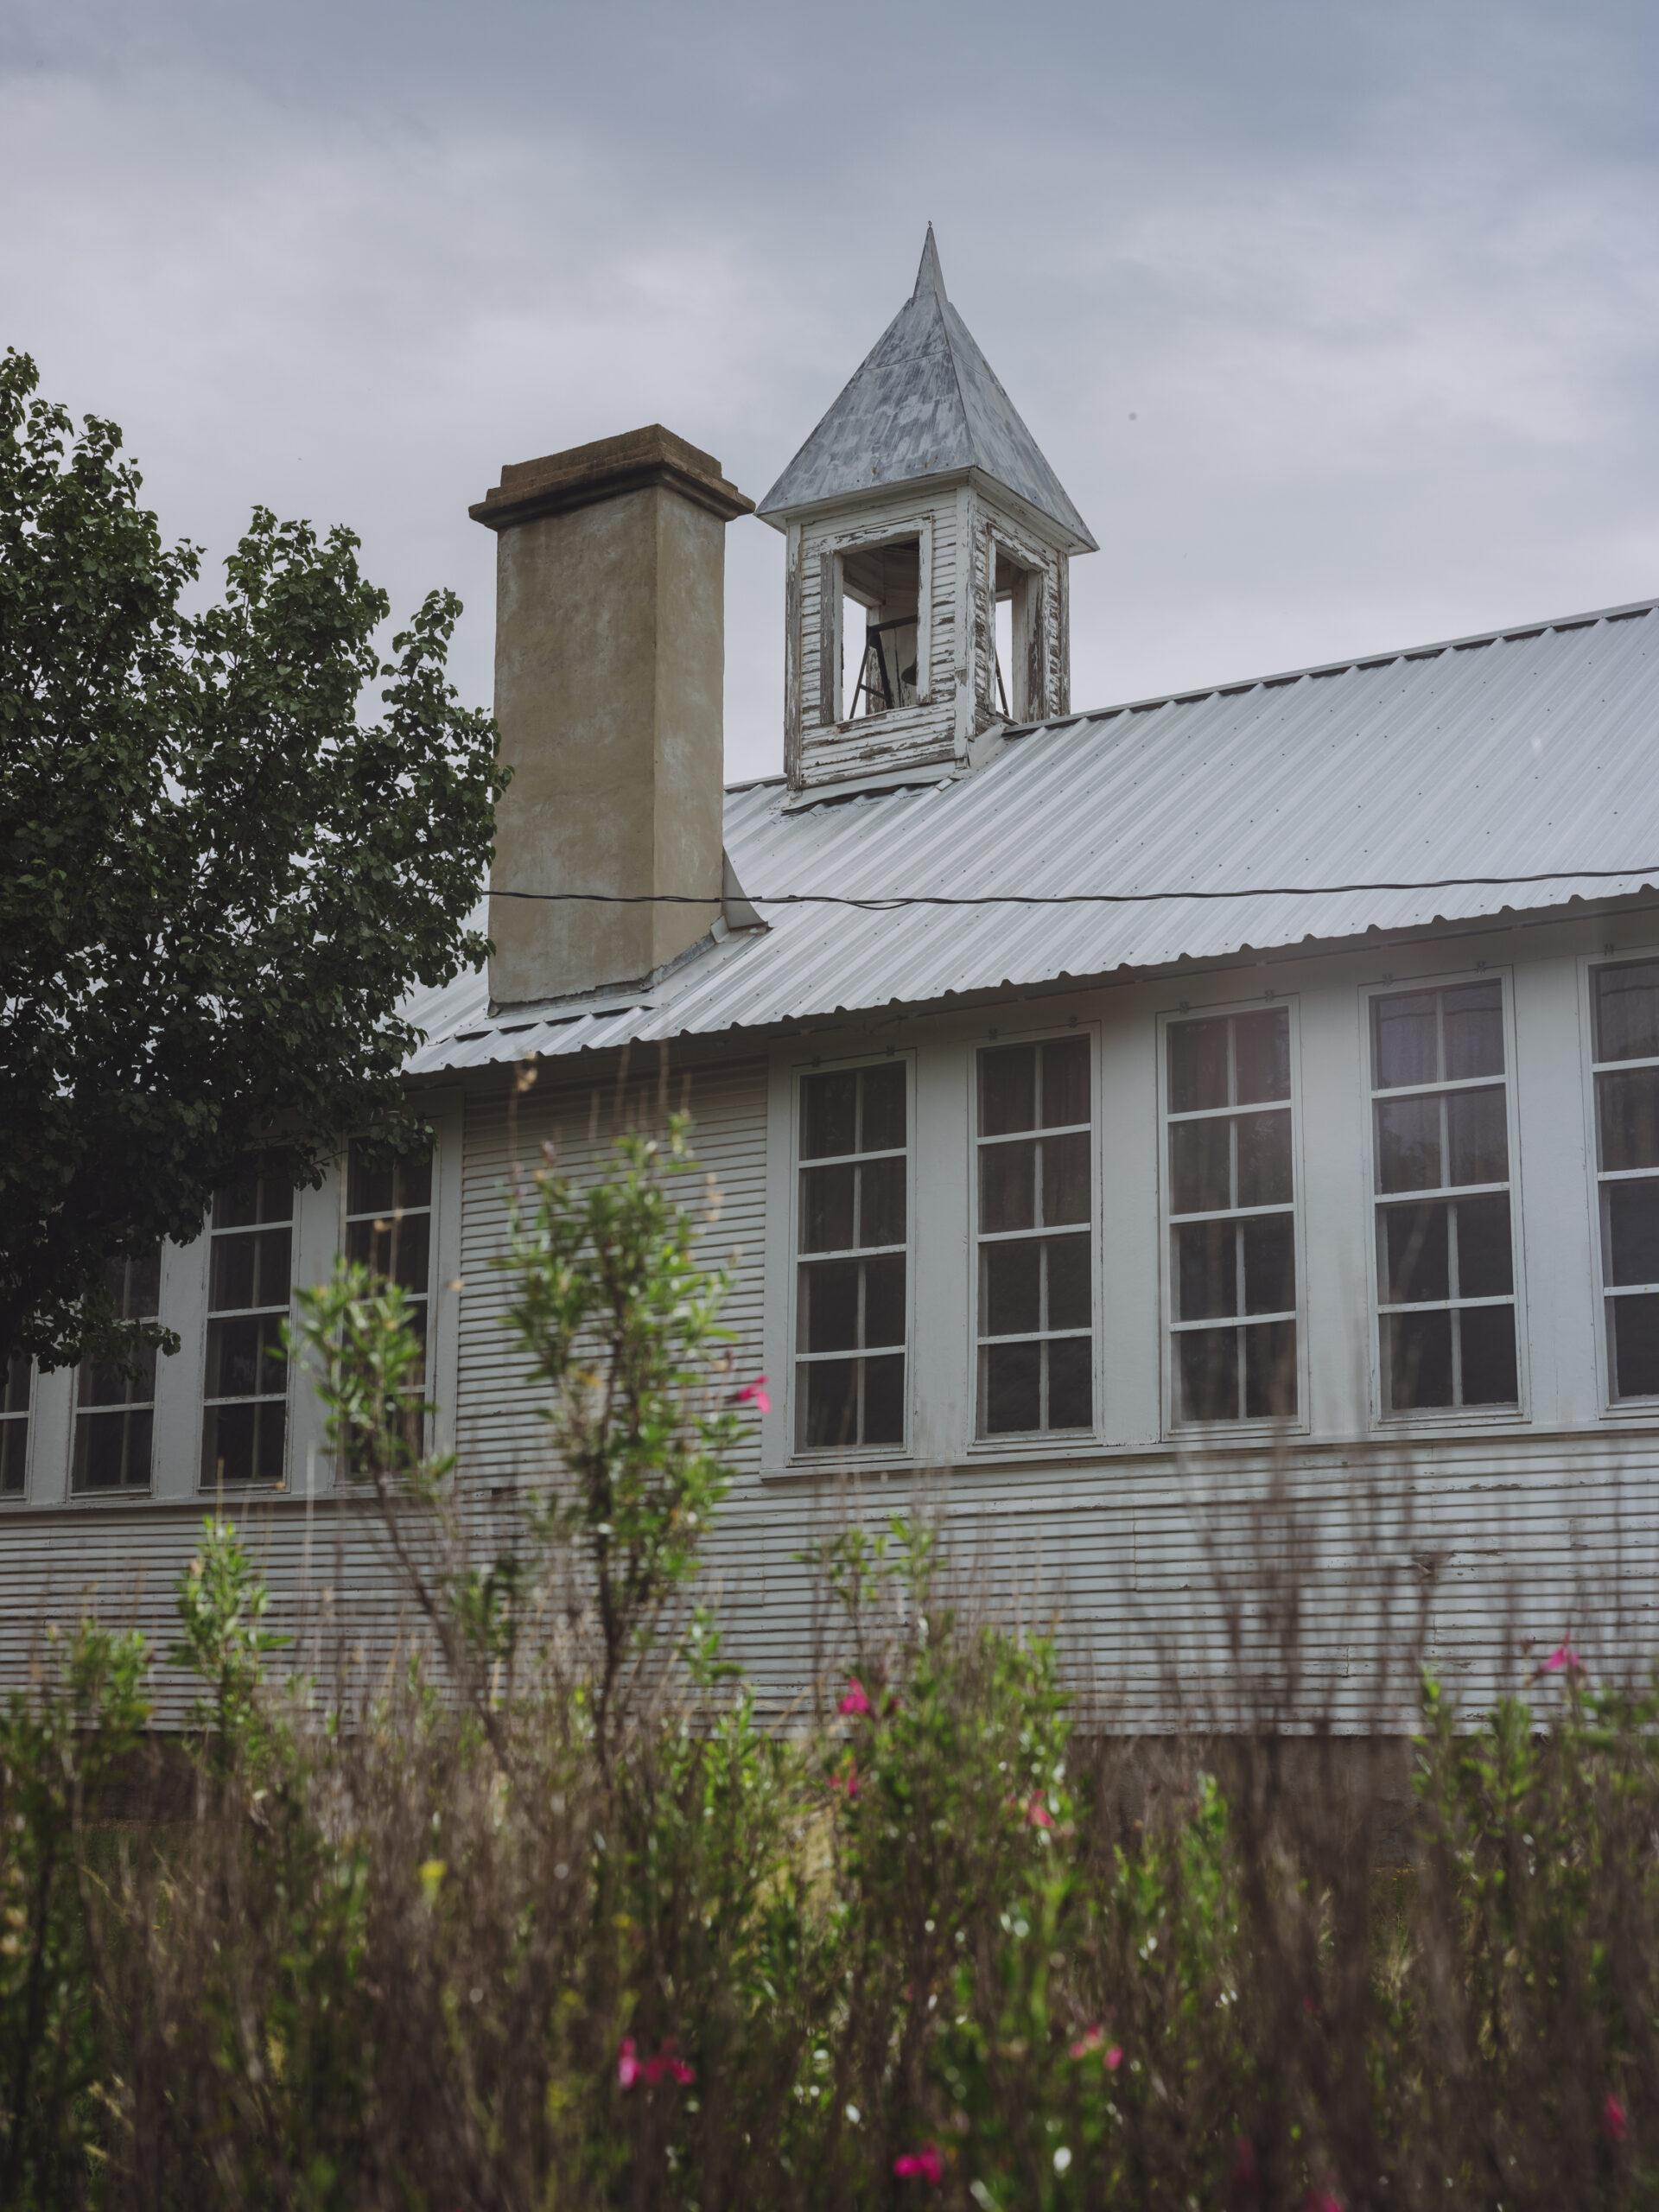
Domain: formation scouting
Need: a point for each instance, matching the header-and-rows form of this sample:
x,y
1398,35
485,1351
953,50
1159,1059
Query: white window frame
x,y
1637,1411
30,1421
1046,1442
1436,1420
1257,1427
847,1455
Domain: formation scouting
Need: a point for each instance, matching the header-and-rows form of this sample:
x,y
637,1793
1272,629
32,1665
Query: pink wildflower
x,y
1037,1814
755,1392
1113,2058
856,1700
1090,2040
682,2074
1563,1660
849,1782
925,2162
628,2068
1614,2124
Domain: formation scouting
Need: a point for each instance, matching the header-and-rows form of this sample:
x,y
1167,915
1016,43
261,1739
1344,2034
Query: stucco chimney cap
x,y
586,474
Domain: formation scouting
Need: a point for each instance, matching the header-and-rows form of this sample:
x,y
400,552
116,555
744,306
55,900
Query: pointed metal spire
x,y
924,403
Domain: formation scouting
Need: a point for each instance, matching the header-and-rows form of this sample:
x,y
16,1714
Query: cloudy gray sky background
x,y
1340,323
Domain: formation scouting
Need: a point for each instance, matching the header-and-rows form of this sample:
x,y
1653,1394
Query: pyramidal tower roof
x,y
923,403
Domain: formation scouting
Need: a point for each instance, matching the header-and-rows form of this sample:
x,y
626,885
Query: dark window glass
x,y
883,1112
1007,1187
1417,1254
1628,1112
16,1379
884,1401
884,1300
1065,1082
1473,1015
1197,1065
831,1402
249,1276
881,1202
113,1417
1262,1052
1633,1326
829,1115
1419,1347
1200,1167
1486,1262
829,1306
1206,1270
1632,1232
1486,1334
1007,1090
827,1195
1207,1374
1071,1384
260,1189
1270,1249
1013,1387
1264,1176
1066,1179
1627,1016
1270,1370
1479,1136
1070,1282
1012,1289
1408,1144
1405,1045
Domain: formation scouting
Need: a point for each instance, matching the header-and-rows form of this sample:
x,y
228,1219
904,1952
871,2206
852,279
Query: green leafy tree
x,y
216,883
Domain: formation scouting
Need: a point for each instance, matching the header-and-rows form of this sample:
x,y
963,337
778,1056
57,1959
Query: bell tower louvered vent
x,y
919,505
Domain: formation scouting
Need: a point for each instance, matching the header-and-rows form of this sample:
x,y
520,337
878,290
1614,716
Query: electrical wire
x,y
876,903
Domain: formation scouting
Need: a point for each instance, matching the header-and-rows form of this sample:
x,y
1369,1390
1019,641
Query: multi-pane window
x,y
389,1223
1444,1259
115,1412
852,1240
1625,1011
15,1379
1036,1272
1232,1223
251,1264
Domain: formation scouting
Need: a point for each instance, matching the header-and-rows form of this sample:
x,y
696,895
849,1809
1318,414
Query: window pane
x,y
1473,1014
884,1300
1069,1282
369,1243
412,1239
829,1317
1270,1371
1627,1015
1066,1179
1071,1384
103,1384
15,1380
1197,1065
236,1202
1012,1282
1264,1159
1408,1144
1199,1170
827,1209
415,1180
1262,1055
1206,1270
884,1401
1489,1370
1485,1262
1478,1135
371,1185
1632,1232
1007,1187
1418,1351
99,1450
1627,1110
1633,1324
829,1115
1065,1082
1007,1090
142,1292
1207,1373
1416,1254
244,1358
883,1127
830,1407
1013,1387
230,1275
1269,1265
881,1202
14,1455
1403,1047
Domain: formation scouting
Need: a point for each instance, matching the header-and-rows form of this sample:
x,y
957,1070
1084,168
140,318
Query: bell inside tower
x,y
881,584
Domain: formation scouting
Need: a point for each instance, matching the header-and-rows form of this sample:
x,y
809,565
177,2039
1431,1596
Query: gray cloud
x,y
1337,323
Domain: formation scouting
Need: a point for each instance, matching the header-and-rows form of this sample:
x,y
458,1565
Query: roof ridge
x,y
1506,633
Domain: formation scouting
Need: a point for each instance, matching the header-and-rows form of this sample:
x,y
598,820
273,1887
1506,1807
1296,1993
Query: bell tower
x,y
919,503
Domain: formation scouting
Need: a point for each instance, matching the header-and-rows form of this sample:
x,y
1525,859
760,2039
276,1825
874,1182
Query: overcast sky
x,y
1340,323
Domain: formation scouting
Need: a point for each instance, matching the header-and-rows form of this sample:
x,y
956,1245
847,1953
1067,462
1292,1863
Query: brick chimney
x,y
609,675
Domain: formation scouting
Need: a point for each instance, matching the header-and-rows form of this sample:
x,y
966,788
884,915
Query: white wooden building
x,y
1119,1115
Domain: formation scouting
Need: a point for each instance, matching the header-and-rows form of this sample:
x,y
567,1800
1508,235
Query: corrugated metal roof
x,y
1507,754
924,401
